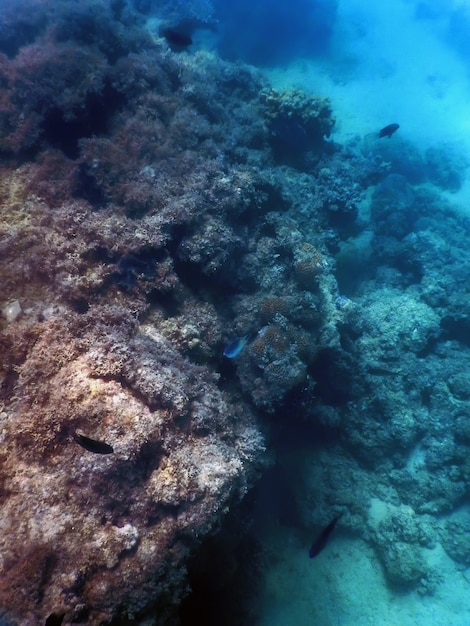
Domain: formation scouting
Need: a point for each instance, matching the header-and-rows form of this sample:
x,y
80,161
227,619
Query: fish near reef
x,y
234,348
176,38
92,445
387,131
322,539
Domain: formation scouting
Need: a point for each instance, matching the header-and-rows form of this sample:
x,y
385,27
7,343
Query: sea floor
x,y
376,73
345,586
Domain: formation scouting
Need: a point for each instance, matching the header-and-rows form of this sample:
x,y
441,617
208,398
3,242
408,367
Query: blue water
x,y
380,62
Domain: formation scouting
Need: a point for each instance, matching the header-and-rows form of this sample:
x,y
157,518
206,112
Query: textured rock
x,y
103,334
141,211
151,211
100,527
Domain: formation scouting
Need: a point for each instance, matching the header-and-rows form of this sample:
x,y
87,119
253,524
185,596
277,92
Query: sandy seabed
x,y
345,586
385,66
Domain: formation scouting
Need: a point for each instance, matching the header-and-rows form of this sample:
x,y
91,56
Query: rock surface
x,y
144,224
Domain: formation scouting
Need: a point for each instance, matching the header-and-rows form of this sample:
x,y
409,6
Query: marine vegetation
x,y
143,227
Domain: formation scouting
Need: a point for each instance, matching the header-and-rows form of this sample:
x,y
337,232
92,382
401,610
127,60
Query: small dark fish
x,y
176,38
322,539
98,447
388,131
234,348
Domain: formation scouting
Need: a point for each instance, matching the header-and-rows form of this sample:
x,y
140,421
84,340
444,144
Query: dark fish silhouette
x,y
388,131
177,39
98,447
322,539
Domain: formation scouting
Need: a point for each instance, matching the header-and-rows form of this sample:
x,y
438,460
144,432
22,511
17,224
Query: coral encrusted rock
x,y
145,222
107,536
296,120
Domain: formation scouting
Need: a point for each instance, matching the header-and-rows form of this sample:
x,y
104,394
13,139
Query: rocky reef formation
x,y
145,222
154,207
399,404
297,122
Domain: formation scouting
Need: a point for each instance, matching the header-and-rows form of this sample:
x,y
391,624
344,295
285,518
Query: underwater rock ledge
x,y
92,537
144,223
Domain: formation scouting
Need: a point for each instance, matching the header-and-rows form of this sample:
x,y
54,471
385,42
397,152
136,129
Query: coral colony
x,y
160,208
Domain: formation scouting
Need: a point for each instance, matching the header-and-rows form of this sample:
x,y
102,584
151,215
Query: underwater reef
x,y
157,206
144,225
